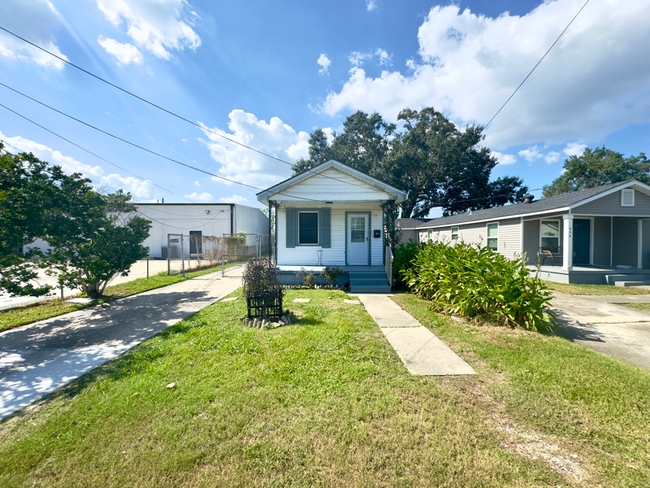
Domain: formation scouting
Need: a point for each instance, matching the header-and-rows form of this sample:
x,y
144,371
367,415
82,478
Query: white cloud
x,y
234,199
137,187
357,58
371,5
34,20
385,59
123,53
201,197
504,159
241,164
574,149
155,25
197,183
593,82
324,63
552,157
68,164
531,154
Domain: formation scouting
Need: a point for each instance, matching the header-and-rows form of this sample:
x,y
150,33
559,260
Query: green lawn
x,y
16,317
638,306
573,289
327,402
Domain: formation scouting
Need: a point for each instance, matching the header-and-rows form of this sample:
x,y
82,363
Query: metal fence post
x,y
182,257
169,266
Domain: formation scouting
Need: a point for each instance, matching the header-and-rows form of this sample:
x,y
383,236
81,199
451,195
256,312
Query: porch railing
x,y
389,266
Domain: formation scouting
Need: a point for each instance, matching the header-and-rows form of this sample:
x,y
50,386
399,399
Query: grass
x,y
19,316
638,306
574,289
327,402
596,404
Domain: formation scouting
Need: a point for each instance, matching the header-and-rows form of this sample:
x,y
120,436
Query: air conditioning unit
x,y
171,252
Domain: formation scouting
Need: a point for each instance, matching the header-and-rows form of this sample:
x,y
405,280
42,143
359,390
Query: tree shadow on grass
x,y
63,356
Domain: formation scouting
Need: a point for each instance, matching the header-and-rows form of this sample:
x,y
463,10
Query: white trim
x,y
627,191
567,244
559,231
640,244
611,241
487,234
521,237
643,186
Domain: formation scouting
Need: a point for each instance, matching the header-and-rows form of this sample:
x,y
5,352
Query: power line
x,y
535,67
89,152
141,148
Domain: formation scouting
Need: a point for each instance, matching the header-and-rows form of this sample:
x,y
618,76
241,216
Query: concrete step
x,y
383,289
612,279
632,283
367,274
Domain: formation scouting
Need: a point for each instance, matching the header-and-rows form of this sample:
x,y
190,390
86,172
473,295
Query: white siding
x,y
509,235
181,219
335,255
331,185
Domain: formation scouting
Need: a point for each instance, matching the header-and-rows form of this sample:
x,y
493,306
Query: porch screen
x,y
550,232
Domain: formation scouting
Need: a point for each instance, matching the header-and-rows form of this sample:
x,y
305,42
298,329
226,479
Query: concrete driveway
x,y
41,357
597,323
138,270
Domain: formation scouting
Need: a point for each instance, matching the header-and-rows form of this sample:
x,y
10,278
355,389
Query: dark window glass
x,y
308,228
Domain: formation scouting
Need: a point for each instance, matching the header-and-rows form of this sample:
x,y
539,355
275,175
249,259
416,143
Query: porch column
x,y
567,243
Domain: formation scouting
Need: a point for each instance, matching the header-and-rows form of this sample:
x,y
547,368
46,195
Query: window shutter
x,y
291,215
325,230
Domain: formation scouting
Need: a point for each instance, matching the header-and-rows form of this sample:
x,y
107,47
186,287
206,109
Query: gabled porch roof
x,y
340,183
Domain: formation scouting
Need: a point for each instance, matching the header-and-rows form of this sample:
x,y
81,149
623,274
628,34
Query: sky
x,y
266,74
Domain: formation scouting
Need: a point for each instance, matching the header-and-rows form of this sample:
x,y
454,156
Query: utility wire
x,y
88,151
141,148
535,67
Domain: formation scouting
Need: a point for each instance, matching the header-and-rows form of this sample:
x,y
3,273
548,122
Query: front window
x,y
430,234
308,228
454,233
550,234
493,236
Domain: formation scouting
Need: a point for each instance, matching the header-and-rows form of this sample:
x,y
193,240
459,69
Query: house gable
x,y
331,182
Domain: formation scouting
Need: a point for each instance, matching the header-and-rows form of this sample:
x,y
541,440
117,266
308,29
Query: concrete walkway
x,y
421,352
39,358
596,323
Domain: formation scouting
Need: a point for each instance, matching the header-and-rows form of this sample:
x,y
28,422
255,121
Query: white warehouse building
x,y
198,219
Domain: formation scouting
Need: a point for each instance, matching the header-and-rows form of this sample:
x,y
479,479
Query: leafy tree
x,y
92,236
597,167
434,162
107,241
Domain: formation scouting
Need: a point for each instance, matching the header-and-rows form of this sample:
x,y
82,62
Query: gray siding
x,y
626,241
409,234
611,205
602,241
646,244
531,240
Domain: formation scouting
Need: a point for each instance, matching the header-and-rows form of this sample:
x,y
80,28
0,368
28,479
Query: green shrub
x,y
405,255
475,281
307,277
331,274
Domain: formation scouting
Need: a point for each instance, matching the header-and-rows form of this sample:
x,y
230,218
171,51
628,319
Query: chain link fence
x,y
195,251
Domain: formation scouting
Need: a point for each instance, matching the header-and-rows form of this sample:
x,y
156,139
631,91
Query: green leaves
x,y
474,281
598,167
92,237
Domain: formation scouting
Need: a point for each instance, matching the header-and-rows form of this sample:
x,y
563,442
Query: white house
x,y
198,219
332,215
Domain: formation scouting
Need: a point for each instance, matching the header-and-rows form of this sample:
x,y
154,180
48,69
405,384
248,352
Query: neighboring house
x,y
591,236
199,219
332,215
408,229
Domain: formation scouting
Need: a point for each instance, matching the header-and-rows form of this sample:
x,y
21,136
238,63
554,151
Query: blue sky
x,y
267,73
